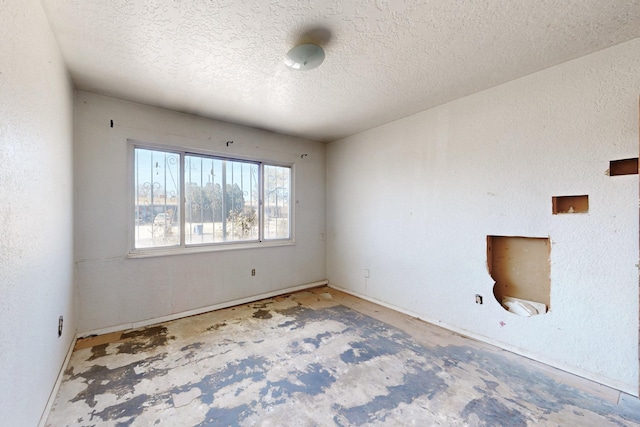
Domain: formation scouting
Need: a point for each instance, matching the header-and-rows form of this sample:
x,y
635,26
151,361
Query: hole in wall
x,y
521,269
570,204
623,167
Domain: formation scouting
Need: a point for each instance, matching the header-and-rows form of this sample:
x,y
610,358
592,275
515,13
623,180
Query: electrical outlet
x,y
367,273
253,271
478,299
60,320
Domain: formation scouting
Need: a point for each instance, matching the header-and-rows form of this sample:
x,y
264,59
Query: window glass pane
x,y
221,200
277,187
156,196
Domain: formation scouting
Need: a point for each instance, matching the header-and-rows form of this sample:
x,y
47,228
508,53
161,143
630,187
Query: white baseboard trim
x,y
547,361
201,310
56,386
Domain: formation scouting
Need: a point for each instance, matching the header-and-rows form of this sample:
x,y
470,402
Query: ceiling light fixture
x,y
304,57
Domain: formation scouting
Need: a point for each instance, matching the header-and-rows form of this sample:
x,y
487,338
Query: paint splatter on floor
x,y
282,363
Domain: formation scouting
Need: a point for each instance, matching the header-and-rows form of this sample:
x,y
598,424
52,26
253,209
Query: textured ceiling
x,y
386,59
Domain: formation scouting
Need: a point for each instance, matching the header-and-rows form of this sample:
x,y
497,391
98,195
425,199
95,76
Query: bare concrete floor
x,y
319,358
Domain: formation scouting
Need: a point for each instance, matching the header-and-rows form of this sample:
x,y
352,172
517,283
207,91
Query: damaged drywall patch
x,y
623,167
569,204
521,269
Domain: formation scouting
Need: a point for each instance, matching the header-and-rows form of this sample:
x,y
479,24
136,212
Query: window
x,y
277,181
185,199
221,200
157,195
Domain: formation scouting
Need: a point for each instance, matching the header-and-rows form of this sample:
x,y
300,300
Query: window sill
x,y
158,252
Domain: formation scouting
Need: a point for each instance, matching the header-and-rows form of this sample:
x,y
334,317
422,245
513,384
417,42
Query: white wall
x,y
414,200
36,212
115,290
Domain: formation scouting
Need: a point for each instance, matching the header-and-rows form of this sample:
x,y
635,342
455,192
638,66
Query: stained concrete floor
x,y
319,358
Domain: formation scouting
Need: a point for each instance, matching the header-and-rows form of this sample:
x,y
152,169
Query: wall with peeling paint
x,y
36,212
413,202
114,290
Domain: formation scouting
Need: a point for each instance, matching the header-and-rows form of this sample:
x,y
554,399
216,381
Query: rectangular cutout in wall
x,y
570,204
521,267
623,167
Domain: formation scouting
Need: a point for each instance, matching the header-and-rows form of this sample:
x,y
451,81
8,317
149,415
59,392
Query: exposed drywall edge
x,y
547,361
201,310
56,386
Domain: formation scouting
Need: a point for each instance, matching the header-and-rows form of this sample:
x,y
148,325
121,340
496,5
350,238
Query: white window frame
x,y
184,248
